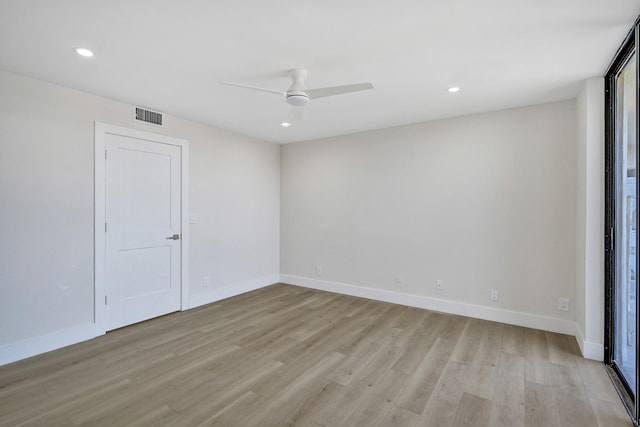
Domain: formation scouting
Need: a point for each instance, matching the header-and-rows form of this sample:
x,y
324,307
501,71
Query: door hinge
x,y
105,154
105,300
105,227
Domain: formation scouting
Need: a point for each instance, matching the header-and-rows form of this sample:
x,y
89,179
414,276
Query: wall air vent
x,y
147,116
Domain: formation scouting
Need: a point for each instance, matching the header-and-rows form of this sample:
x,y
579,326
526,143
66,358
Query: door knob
x,y
174,237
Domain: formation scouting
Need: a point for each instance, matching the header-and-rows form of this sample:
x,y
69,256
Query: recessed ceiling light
x,y
83,52
453,89
285,124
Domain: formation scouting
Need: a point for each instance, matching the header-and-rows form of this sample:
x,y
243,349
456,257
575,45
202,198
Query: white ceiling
x,y
169,55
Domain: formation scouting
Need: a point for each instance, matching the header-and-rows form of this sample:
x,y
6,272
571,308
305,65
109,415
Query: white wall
x,y
46,211
482,202
590,219
508,200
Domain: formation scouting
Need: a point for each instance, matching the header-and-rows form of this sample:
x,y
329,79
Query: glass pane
x,y
625,238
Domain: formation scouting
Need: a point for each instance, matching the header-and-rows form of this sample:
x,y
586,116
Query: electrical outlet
x,y
494,295
439,285
318,270
205,281
398,282
563,304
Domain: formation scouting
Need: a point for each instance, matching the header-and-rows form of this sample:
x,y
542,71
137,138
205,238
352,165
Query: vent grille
x,y
148,116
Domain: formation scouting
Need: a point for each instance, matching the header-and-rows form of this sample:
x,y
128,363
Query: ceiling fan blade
x,y
337,90
262,89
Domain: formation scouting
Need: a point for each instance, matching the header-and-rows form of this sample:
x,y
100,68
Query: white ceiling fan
x,y
298,95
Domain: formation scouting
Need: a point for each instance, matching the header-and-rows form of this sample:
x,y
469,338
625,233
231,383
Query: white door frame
x,y
101,132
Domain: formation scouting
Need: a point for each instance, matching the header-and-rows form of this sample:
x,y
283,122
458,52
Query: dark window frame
x,y
626,50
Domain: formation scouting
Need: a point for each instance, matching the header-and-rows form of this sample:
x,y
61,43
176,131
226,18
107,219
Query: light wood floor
x,y
289,356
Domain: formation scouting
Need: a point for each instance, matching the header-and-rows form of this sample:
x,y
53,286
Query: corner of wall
x,y
590,219
232,290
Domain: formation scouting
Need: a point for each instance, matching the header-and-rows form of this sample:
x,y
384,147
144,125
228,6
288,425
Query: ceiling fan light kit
x,y
297,98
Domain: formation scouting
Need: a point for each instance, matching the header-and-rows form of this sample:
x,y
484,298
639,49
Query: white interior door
x,y
143,230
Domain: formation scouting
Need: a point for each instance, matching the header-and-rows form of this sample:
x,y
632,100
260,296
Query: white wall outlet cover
x,y
563,304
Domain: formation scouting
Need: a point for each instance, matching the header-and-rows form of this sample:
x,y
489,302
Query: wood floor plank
x,y
481,367
367,339
288,406
313,408
381,362
423,381
473,411
541,406
596,381
509,388
397,417
481,380
367,412
417,341
62,407
574,408
289,356
537,351
443,405
513,340
235,413
357,366
560,348
331,336
453,328
390,384
608,414
506,416
567,375
340,408
408,318
213,395
488,350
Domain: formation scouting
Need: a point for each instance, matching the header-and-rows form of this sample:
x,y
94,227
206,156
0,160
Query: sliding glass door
x,y
625,226
622,222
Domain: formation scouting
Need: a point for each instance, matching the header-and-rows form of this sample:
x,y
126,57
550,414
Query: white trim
x,y
13,352
184,191
593,350
589,349
99,214
101,131
232,290
580,338
446,306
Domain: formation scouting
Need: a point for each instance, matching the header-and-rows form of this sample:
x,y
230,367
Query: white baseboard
x,y
13,352
217,294
446,306
31,347
589,349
